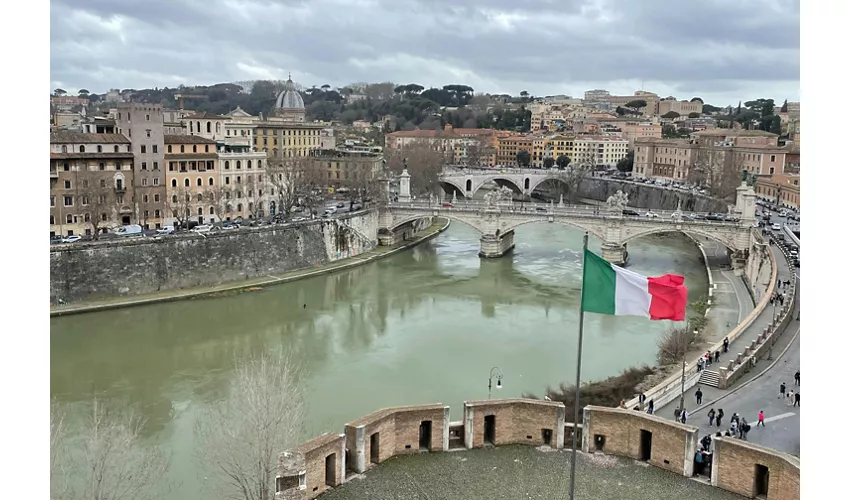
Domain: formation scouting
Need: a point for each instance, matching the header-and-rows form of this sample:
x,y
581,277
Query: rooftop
x,y
67,137
512,472
187,139
725,132
206,116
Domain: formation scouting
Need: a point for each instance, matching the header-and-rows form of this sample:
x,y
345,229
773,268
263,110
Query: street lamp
x,y
494,372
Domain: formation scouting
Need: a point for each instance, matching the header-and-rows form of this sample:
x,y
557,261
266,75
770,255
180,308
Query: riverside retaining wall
x,y
649,196
97,270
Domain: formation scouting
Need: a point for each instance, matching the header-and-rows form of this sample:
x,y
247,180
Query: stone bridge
x,y
496,220
466,182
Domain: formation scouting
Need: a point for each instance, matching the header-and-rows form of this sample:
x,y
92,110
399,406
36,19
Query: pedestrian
x,y
711,414
797,399
744,430
761,419
719,416
797,378
651,408
717,356
699,396
789,399
741,428
772,299
733,427
684,416
726,345
707,358
781,391
699,364
677,413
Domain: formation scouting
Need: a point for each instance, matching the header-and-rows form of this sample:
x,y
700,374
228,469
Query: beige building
x,y
351,169
456,142
600,150
91,183
684,108
651,99
191,179
782,189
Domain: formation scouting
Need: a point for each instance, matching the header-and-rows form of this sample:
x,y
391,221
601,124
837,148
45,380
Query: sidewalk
x,y
710,394
439,225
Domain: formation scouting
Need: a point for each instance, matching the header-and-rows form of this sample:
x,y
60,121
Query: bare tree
x,y
716,168
478,152
98,200
179,205
673,345
425,162
240,437
220,198
109,462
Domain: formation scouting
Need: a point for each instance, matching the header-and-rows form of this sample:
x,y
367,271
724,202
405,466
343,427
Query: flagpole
x,y
578,375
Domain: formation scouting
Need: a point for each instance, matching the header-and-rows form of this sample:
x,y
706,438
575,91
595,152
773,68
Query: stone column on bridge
x,y
494,243
404,185
745,203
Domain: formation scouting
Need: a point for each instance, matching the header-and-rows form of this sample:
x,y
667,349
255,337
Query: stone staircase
x,y
709,378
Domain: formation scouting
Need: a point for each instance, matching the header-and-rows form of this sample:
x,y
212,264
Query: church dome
x,y
289,98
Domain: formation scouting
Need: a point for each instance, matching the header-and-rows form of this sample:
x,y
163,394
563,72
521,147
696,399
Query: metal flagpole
x,y
578,374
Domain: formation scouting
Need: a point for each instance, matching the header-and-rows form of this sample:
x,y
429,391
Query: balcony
x,y
54,173
120,189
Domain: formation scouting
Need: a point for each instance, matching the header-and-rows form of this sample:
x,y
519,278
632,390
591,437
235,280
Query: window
x,y
259,163
85,201
102,166
186,182
156,165
69,201
82,149
144,165
129,148
182,148
200,211
144,182
227,180
148,133
144,149
69,219
207,148
103,216
227,195
155,149
209,127
194,148
67,184
64,149
145,198
147,119
248,164
103,183
260,177
199,182
174,183
211,182
156,214
147,214
238,164
100,149
238,179
156,181
227,165
218,127
169,148
200,197
212,211
772,158
52,201
52,220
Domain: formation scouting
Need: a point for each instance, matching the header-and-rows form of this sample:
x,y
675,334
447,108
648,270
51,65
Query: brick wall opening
x,y
762,479
330,470
349,466
490,430
547,437
645,452
599,442
374,448
425,435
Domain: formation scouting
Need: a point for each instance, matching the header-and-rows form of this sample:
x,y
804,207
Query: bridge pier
x,y
614,253
496,245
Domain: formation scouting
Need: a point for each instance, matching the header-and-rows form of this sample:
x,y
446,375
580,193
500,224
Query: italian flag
x,y
610,289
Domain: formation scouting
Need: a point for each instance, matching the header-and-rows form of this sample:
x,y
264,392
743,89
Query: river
x,y
423,326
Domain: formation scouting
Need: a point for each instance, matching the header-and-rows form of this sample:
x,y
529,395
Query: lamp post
x,y
494,372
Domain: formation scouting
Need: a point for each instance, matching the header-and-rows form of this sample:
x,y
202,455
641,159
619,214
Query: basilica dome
x,y
289,98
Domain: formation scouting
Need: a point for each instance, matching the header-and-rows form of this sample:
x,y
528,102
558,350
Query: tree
x,y
179,205
425,162
562,161
239,438
718,169
289,179
548,162
694,115
479,152
784,108
673,345
220,198
59,92
775,126
698,99
523,158
670,132
98,198
83,93
636,104
709,109
671,114
627,163
108,461
325,87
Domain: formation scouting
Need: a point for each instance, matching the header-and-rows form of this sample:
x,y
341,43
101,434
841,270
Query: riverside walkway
x,y
715,397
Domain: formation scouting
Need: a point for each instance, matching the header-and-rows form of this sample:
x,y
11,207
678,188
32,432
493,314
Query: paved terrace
x,y
520,473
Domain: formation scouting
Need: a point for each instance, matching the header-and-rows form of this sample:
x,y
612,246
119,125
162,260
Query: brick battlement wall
x,y
326,461
133,266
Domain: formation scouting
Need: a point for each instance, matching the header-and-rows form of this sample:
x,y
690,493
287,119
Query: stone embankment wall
x,y
97,270
329,460
649,196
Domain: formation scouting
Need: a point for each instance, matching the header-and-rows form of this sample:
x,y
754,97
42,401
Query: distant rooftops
x,y
187,139
68,137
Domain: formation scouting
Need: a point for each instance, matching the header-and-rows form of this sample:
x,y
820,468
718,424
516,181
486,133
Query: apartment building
x,y
348,168
91,183
684,108
652,99
143,125
668,159
192,187
287,139
459,143
782,189
598,150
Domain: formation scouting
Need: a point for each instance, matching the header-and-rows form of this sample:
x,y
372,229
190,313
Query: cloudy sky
x,y
721,50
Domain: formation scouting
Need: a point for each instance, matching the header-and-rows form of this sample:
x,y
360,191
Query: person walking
x,y
745,428
700,363
677,413
761,419
699,396
781,391
651,408
797,378
725,345
711,414
789,399
797,399
717,356
719,416
684,416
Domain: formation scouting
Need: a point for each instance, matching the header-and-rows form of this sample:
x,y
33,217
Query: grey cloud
x,y
541,45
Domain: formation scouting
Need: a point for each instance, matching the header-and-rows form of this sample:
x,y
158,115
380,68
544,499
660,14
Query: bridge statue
x,y
618,201
494,197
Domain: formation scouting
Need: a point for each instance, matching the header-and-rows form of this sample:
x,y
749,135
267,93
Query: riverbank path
x,y
742,390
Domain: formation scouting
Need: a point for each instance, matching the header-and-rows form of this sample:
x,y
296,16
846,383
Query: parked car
x,y
229,226
447,205
165,230
775,227
630,213
202,228
72,238
340,204
651,214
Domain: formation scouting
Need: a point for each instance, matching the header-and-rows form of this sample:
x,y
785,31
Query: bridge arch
x,y
453,216
450,186
723,239
559,220
499,180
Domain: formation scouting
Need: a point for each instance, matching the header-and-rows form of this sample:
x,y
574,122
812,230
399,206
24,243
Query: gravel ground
x,y
519,472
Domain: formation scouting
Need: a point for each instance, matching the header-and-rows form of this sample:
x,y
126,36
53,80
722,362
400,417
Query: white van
x,y
130,230
776,227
